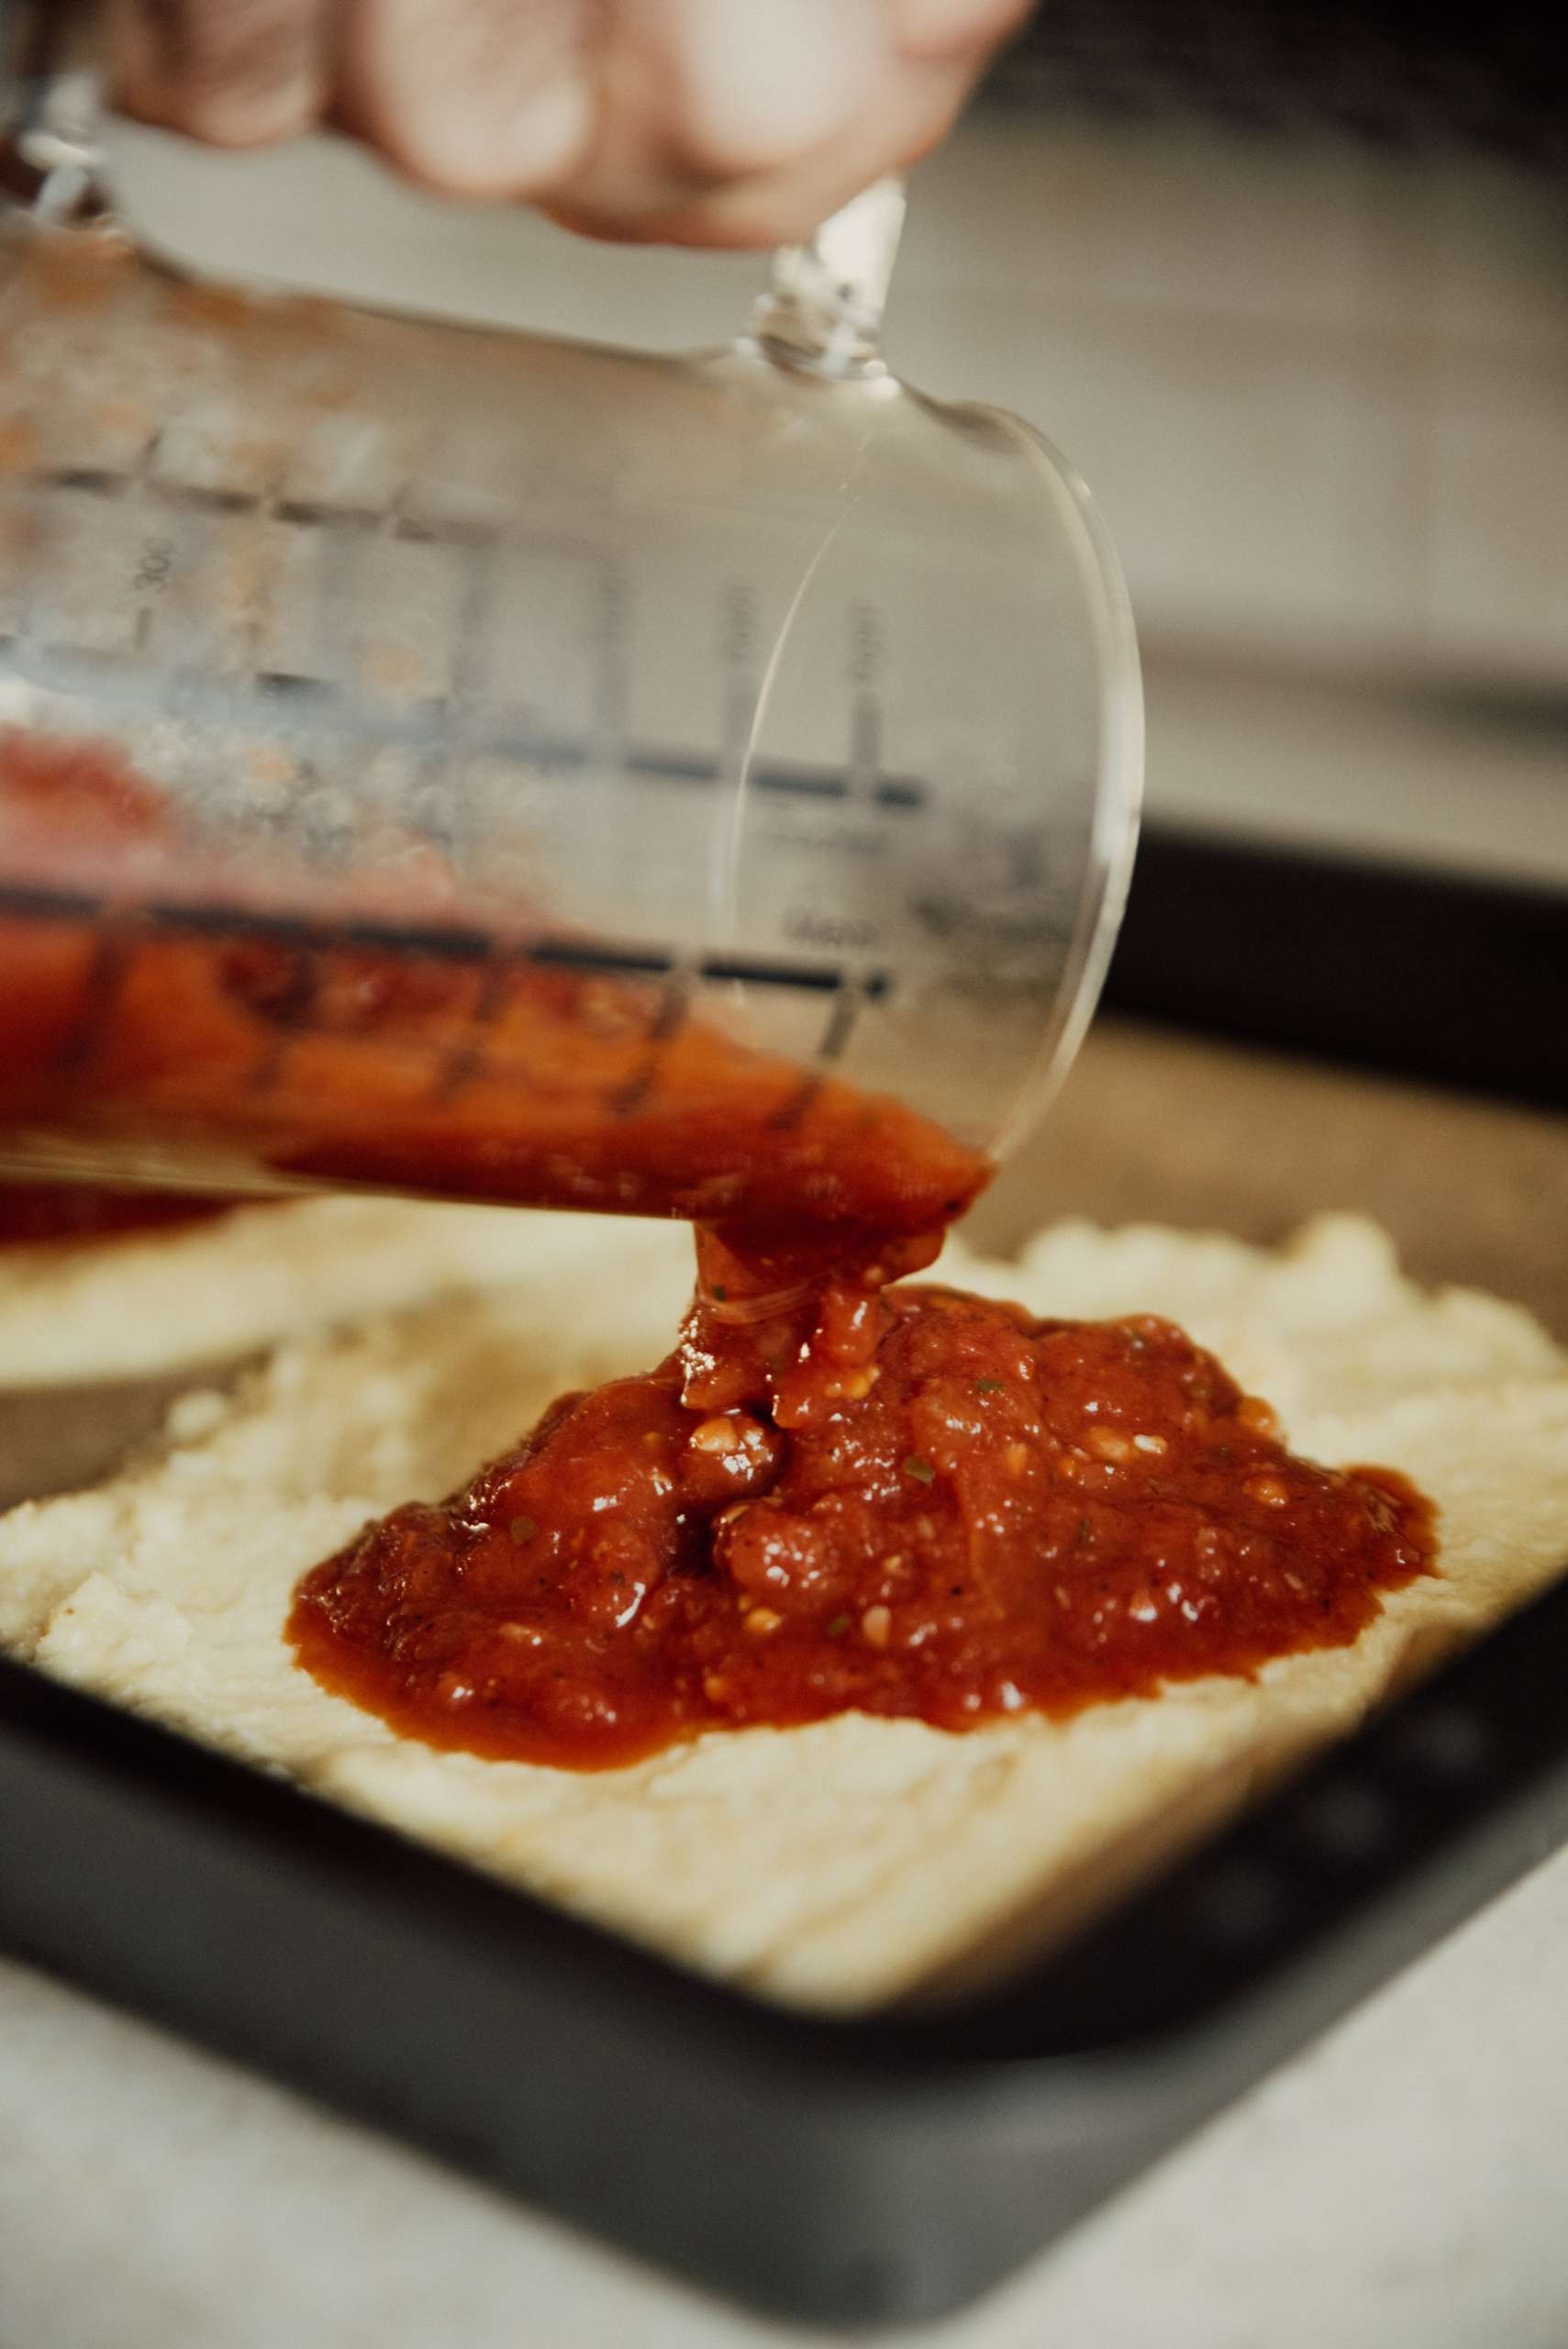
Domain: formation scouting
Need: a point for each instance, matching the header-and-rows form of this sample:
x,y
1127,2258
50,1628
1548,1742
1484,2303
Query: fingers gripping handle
x,y
823,308
49,145
822,311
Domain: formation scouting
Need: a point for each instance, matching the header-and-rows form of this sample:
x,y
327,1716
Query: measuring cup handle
x,y
49,162
823,308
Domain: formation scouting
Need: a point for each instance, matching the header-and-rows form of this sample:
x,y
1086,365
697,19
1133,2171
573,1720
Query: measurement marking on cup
x,y
865,672
113,952
293,701
96,483
840,1025
467,1059
157,560
673,766
288,1014
668,1020
448,942
208,500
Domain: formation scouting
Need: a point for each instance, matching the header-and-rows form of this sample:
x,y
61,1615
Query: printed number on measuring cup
x,y
156,562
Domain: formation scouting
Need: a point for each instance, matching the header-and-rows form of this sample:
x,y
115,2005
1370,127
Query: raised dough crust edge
x,y
844,1864
144,1304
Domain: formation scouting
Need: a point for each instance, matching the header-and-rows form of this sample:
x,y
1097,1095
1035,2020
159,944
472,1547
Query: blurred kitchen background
x,y
1290,285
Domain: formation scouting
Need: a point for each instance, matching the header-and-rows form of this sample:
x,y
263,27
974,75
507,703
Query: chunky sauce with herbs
x,y
914,1502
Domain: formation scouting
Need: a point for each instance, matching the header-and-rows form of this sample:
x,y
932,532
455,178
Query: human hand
x,y
704,122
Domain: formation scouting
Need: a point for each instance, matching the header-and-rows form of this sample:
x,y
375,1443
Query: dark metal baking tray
x,y
835,2171
852,2172
1449,977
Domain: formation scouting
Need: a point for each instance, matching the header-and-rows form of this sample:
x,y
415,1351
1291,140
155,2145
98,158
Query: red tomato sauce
x,y
911,1502
216,1049
65,1215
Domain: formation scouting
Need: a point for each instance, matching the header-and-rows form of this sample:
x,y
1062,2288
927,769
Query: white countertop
x,y
1400,2187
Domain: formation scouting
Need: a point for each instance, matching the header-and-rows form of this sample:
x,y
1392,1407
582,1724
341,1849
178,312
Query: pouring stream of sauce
x,y
835,1493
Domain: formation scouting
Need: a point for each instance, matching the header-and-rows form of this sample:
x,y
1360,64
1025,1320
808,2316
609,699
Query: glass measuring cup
x,y
526,770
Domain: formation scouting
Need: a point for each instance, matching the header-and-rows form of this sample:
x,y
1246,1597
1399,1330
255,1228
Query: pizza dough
x,y
146,1303
847,1862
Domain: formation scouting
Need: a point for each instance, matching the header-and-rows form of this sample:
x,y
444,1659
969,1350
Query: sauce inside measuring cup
x,y
218,1038
65,1215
